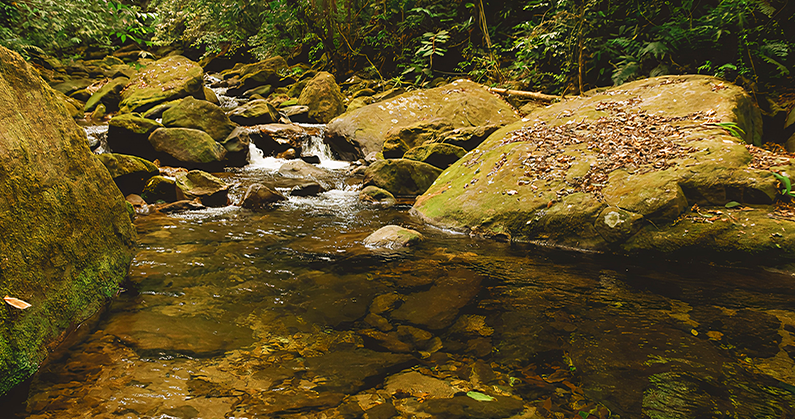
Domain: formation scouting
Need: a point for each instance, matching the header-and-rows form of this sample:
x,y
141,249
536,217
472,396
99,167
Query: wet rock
x,y
439,155
260,197
438,307
297,113
129,172
201,115
263,91
417,337
393,237
169,78
399,140
178,206
188,148
67,238
379,322
381,411
387,341
385,302
323,97
377,195
109,95
160,188
129,134
303,170
135,200
350,371
467,407
311,159
237,147
256,112
401,177
273,139
473,325
210,190
307,189
467,137
265,72
461,104
415,384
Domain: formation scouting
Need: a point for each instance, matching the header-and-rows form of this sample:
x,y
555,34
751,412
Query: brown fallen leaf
x,y
15,302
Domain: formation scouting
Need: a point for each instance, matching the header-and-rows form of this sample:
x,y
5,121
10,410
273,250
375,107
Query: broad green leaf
x,y
480,396
732,204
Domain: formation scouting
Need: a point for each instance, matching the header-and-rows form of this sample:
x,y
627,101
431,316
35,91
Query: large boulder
x,y
67,237
641,168
201,115
167,79
323,98
129,172
401,177
460,104
189,148
129,134
256,112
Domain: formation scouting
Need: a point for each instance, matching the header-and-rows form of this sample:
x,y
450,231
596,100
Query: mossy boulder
x,y
160,188
210,190
398,141
401,177
393,237
640,168
189,148
160,81
256,112
250,76
129,134
323,97
201,115
460,104
67,237
440,155
109,95
376,195
129,172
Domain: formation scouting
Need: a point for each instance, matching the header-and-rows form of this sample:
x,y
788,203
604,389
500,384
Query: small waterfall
x,y
315,146
225,102
258,161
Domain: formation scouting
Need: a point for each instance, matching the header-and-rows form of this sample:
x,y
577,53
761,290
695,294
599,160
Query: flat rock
x,y
350,371
393,237
417,384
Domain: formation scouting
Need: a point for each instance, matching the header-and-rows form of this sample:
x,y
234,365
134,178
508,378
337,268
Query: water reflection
x,y
233,313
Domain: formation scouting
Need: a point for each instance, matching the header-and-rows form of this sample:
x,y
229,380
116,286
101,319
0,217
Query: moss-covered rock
x,y
67,239
109,95
189,148
376,195
441,155
460,104
323,97
167,79
620,170
210,190
393,237
250,76
160,188
255,112
401,177
129,172
201,115
398,141
129,134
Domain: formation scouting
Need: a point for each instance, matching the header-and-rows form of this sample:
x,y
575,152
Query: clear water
x,y
230,313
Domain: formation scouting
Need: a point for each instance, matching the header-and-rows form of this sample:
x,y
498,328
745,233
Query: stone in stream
x,y
307,189
260,197
271,139
438,307
377,195
585,193
256,112
401,177
361,133
201,115
297,113
109,95
129,134
210,190
303,170
393,237
169,78
349,371
237,147
415,384
129,172
189,148
67,237
160,188
440,155
466,407
323,98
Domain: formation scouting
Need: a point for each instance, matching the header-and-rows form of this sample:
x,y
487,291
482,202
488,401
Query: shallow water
x,y
230,313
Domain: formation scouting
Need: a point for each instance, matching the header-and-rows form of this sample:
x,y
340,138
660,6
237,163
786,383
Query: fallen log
x,y
529,95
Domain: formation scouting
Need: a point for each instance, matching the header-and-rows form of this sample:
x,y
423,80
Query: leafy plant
x,y
786,185
732,128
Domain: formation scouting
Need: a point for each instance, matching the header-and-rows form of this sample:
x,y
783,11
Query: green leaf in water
x,y
732,204
584,415
480,396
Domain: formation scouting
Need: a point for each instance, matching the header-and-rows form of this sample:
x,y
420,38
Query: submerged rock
x,y
438,307
393,237
67,237
361,133
570,176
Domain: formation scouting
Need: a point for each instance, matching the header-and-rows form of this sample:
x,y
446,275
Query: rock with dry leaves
x,y
647,167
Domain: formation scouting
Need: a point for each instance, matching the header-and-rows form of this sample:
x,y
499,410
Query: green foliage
x,y
786,185
733,129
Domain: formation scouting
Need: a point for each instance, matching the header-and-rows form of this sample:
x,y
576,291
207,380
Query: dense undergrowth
x,y
562,46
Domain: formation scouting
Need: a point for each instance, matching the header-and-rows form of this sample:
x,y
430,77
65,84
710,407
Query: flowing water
x,y
230,313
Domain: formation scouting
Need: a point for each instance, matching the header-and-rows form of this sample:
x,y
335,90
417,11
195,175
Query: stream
x,y
232,313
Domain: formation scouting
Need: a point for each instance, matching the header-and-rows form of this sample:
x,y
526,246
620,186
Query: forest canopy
x,y
563,46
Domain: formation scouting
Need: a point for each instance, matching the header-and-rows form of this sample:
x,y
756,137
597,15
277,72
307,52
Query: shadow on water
x,y
283,313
